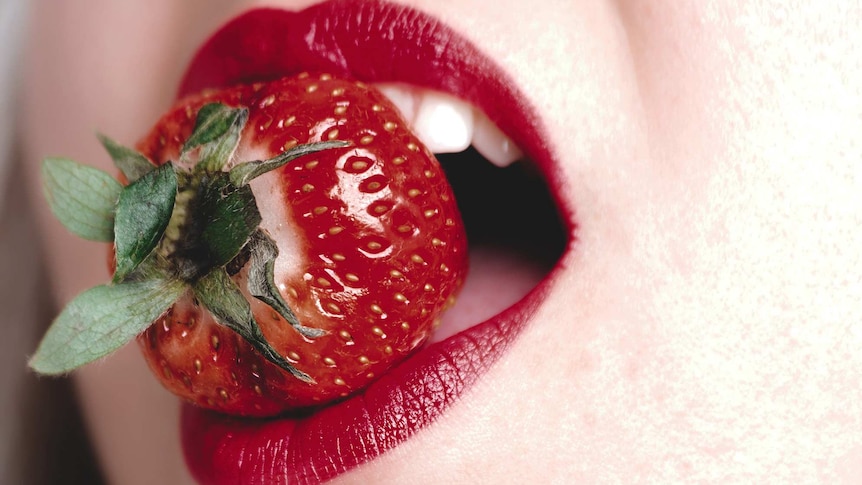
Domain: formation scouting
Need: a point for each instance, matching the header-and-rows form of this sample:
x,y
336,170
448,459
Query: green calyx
x,y
174,230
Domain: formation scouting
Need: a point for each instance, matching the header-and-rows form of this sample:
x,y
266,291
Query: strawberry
x,y
279,245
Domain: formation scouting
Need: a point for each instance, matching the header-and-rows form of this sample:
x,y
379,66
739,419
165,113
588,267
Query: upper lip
x,y
382,47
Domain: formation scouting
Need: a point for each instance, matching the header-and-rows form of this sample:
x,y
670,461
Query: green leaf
x,y
261,282
244,173
229,216
217,130
213,120
143,212
101,320
221,296
216,154
132,163
82,198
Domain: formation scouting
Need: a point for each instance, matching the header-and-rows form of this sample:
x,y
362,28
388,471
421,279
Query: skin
x,y
706,326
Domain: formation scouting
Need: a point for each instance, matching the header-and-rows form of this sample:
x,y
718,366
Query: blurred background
x,y
42,439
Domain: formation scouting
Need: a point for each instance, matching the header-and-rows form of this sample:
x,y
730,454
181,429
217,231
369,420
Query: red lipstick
x,y
372,41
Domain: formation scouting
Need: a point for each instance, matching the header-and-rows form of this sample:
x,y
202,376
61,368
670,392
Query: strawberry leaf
x,y
213,120
83,198
101,320
261,282
225,301
244,173
217,130
215,154
230,217
132,163
143,212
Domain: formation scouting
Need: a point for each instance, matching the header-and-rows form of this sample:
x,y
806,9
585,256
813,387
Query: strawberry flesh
x,y
371,249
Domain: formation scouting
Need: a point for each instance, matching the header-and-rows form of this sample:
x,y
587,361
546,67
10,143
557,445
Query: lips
x,y
382,43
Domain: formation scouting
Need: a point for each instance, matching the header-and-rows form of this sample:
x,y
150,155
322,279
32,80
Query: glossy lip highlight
x,y
372,41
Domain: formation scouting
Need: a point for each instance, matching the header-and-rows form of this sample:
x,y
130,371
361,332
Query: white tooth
x,y
493,144
403,97
444,123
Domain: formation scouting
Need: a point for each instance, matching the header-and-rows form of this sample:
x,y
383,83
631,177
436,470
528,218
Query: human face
x,y
702,319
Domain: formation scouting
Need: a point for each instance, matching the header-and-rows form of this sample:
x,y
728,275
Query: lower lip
x,y
312,449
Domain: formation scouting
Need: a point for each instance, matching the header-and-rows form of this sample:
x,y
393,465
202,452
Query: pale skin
x,y
706,326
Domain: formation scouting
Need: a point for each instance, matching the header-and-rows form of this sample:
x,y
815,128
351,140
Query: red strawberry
x,y
370,245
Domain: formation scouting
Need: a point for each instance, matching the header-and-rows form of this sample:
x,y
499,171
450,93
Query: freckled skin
x,y
383,250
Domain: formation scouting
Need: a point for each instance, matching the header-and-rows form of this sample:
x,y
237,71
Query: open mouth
x,y
517,239
518,229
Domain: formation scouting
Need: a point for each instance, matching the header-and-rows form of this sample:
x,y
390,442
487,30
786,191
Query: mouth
x,y
489,141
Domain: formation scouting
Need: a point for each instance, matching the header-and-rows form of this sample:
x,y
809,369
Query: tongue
x,y
498,278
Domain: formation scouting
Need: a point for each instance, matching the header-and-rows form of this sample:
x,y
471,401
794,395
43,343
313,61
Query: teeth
x,y
493,144
405,99
446,124
443,123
